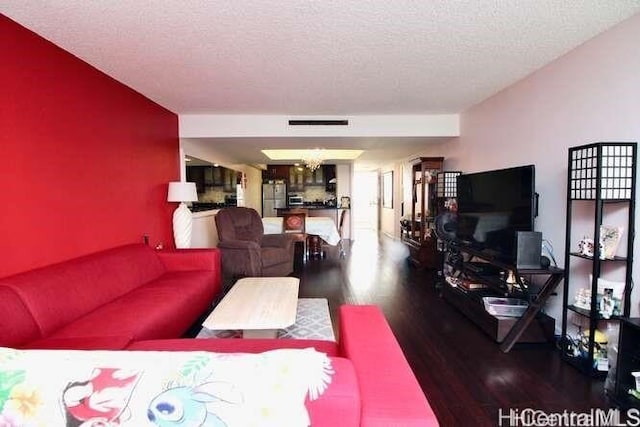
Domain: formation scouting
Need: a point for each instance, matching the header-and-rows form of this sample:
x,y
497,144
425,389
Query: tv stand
x,y
533,285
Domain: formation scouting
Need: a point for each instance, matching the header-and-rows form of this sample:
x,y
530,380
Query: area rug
x,y
313,322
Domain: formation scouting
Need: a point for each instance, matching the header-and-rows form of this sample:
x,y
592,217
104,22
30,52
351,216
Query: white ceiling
x,y
319,57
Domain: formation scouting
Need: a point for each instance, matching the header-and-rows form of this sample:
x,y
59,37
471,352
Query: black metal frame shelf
x,y
602,173
628,362
614,259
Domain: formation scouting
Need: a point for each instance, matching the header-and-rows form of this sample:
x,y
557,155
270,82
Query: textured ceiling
x,y
319,57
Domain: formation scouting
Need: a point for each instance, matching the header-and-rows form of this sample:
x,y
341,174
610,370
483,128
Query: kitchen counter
x,y
310,207
332,212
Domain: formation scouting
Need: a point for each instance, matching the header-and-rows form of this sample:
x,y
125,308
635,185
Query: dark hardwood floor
x,y
463,373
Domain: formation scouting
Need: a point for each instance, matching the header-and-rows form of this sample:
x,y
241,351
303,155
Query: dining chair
x,y
340,228
294,224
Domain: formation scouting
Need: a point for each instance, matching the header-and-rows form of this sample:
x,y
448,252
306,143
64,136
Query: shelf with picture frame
x,y
598,277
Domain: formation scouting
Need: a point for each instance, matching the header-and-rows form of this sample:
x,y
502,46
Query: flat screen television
x,y
493,206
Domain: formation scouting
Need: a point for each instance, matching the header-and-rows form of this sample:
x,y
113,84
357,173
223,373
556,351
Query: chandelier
x,y
313,159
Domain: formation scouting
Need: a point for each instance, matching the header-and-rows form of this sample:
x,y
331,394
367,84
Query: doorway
x,y
365,197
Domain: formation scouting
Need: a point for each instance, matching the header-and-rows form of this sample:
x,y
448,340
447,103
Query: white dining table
x,y
321,226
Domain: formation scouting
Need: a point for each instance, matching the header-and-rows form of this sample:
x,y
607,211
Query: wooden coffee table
x,y
260,306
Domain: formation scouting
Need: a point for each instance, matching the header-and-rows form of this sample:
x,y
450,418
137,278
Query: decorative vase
x,y
182,223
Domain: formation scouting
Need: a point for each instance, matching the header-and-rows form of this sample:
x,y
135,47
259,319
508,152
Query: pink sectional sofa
x,y
133,298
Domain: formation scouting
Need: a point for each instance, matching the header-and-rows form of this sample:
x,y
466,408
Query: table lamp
x,y
182,192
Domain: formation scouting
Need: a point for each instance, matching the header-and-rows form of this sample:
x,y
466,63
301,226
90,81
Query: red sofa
x,y
135,298
109,299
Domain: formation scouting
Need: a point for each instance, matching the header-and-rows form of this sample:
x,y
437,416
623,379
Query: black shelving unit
x,y
628,363
601,174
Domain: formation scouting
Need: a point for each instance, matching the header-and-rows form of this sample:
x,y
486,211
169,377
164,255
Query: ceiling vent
x,y
318,122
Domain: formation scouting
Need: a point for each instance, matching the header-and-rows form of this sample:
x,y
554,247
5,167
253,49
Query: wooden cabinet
x,y
313,178
299,177
218,175
329,172
417,234
296,178
230,180
208,177
196,174
276,172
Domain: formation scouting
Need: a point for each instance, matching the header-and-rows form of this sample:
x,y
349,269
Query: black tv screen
x,y
493,206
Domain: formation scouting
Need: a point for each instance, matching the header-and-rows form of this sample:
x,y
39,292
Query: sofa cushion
x,y
132,388
163,308
83,284
17,325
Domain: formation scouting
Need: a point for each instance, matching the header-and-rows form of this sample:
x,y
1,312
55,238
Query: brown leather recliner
x,y
246,250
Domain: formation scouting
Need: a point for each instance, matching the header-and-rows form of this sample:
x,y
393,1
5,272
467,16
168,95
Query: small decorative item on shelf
x,y
586,247
600,359
609,240
451,205
609,298
583,299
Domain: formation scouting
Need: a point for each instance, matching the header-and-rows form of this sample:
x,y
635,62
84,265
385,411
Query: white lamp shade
x,y
182,192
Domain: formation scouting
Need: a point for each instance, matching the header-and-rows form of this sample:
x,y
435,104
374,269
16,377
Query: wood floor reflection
x,y
465,376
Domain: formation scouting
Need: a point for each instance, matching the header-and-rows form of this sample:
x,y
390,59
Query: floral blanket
x,y
154,388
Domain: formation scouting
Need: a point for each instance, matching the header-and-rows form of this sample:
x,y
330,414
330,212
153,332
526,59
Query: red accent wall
x,y
84,160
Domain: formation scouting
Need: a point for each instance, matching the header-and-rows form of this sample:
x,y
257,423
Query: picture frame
x,y
610,297
387,190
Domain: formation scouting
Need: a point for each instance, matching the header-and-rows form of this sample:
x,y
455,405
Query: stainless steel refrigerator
x,y
274,196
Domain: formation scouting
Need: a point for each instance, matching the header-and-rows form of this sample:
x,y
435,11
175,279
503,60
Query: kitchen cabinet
x,y
196,174
299,177
315,177
296,178
207,177
276,172
329,172
230,180
218,176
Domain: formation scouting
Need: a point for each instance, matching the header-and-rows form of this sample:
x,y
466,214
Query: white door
x,y
364,199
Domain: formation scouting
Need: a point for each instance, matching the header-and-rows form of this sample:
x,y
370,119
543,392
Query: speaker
x,y
528,249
